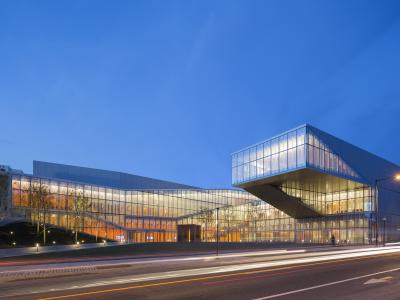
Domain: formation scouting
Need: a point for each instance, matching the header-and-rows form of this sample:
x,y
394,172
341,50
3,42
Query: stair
x,y
292,206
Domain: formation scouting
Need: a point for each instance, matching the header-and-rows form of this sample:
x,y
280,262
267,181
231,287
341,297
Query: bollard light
x,y
54,242
37,247
14,243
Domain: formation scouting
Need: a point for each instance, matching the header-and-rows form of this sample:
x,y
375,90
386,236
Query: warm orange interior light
x,y
397,177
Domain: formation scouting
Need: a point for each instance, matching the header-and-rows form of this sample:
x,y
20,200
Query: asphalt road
x,y
334,274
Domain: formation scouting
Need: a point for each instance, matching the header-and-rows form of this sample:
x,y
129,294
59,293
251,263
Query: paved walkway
x,y
13,252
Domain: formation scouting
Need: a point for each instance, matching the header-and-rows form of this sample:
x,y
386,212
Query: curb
x,y
39,273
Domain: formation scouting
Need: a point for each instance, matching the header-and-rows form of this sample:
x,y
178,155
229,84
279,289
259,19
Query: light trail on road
x,y
241,267
327,284
273,271
226,271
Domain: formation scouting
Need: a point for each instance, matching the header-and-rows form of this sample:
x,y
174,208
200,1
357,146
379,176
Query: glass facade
x,y
258,221
275,156
346,200
321,157
135,216
313,175
333,190
154,215
295,149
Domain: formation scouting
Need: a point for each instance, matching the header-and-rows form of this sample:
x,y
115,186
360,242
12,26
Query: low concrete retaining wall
x,y
42,273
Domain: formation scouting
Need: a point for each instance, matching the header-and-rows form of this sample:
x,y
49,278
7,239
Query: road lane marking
x,y
336,263
229,268
326,284
339,261
139,260
379,280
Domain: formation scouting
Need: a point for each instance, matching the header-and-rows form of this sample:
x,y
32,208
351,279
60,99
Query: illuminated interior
x,y
301,186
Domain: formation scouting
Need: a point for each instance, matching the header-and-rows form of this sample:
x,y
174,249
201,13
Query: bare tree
x,y
228,218
40,202
206,215
81,204
209,217
34,199
3,191
46,206
97,228
201,216
253,213
97,220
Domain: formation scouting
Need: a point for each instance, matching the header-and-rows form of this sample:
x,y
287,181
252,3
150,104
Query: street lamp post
x,y
384,231
217,232
396,178
376,211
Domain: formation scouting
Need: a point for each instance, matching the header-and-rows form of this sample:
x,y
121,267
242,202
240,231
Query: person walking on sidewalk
x,y
333,240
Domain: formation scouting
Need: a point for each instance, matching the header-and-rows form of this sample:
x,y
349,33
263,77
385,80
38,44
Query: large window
x,y
277,155
321,157
289,151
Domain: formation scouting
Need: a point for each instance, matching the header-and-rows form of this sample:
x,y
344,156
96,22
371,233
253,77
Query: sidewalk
x,y
95,252
14,252
133,249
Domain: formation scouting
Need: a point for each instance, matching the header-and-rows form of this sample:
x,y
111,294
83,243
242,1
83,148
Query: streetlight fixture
x,y
396,177
217,232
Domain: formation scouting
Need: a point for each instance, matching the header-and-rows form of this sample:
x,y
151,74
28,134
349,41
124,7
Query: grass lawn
x,y
24,234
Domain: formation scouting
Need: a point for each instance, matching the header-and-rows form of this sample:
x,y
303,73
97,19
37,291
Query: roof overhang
x,y
309,179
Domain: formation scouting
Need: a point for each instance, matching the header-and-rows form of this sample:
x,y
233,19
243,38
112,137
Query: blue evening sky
x,y
168,89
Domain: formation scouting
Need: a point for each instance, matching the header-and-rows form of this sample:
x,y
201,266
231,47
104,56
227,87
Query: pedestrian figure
x,y
333,240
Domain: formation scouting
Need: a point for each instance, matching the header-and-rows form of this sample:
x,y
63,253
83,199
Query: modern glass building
x,y
137,209
301,186
326,184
